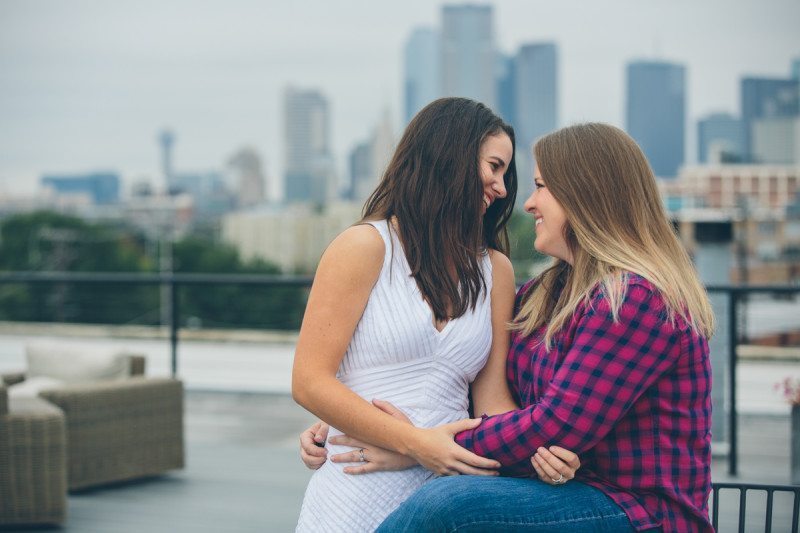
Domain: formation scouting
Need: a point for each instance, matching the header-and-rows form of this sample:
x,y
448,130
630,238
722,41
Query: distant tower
x,y
656,113
309,164
247,177
469,57
166,139
720,139
422,71
765,99
535,104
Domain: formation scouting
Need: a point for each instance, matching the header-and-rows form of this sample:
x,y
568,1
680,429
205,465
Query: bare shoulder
x,y
358,249
502,269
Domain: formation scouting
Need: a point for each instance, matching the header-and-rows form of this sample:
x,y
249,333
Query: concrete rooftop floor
x,y
243,473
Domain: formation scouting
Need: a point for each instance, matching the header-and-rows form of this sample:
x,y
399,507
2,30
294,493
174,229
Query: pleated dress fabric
x,y
397,354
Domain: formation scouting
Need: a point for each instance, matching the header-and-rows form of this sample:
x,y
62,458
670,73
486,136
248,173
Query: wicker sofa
x,y
118,430
33,484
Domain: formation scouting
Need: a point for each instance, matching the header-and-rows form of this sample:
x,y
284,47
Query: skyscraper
x,y
246,177
766,98
309,165
422,70
468,53
656,113
720,139
506,87
536,104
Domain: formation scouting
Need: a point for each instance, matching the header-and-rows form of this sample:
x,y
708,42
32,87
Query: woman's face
x,y
550,220
493,160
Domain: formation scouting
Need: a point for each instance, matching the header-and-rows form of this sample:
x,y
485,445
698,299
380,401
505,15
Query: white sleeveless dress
x,y
396,354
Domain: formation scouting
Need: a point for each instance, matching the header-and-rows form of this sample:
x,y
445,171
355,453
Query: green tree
x,y
46,241
232,305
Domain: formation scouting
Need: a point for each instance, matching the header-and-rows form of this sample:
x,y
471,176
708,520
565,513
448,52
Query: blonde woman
x,y
609,358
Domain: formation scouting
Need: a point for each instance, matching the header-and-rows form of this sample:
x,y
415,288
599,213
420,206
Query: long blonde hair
x,y
616,223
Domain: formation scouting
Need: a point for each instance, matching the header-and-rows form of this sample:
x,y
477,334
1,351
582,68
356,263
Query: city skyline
x,y
88,86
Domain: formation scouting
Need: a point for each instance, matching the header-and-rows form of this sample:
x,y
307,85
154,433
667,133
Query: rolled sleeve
x,y
606,368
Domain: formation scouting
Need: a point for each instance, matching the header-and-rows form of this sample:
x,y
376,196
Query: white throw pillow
x,y
74,364
31,387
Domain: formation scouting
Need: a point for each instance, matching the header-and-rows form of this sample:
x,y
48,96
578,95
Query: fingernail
x,y
540,449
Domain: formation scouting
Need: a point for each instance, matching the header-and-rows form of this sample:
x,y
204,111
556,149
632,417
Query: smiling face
x,y
493,160
550,221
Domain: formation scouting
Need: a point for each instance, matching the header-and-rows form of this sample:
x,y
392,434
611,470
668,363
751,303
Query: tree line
x,y
47,241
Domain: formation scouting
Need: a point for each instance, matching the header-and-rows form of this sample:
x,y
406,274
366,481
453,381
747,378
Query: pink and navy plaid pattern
x,y
632,398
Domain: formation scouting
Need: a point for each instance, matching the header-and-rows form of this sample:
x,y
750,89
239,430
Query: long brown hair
x,y
432,186
616,223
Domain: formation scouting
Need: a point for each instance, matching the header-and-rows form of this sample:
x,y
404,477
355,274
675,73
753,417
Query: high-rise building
x,y
776,140
506,87
309,165
720,139
361,178
369,159
656,113
468,56
535,104
245,176
766,98
422,70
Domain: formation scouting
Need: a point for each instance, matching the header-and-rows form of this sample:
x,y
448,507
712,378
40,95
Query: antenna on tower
x,y
166,139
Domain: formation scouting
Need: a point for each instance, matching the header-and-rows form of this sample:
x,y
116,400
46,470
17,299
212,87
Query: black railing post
x,y
733,413
173,324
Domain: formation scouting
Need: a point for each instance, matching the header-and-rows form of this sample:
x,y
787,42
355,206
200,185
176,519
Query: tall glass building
x,y
535,105
422,55
468,53
309,165
656,113
720,139
766,98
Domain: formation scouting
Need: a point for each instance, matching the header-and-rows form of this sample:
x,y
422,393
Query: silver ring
x,y
361,455
560,479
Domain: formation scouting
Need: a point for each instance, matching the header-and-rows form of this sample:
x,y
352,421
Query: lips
x,y
538,221
487,200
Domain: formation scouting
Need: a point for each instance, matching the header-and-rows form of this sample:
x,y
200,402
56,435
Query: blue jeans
x,y
477,503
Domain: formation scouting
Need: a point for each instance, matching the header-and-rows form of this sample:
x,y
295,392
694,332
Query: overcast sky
x,y
88,84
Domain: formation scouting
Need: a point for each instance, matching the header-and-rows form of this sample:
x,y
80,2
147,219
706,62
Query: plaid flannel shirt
x,y
631,398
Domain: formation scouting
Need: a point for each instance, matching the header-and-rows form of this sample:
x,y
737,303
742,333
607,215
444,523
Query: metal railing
x,y
743,489
175,280
171,281
736,294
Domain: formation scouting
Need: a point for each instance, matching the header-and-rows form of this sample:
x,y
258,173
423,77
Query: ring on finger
x,y
560,480
361,455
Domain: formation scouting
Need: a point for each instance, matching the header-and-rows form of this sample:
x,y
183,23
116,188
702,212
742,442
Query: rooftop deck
x,y
243,473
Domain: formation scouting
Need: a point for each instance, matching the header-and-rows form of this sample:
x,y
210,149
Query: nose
x,y
530,203
499,187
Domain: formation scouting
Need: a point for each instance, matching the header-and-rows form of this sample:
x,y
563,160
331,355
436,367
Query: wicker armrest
x,y
12,378
118,430
33,476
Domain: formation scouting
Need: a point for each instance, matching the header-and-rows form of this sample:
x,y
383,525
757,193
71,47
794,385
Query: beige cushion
x,y
74,364
31,387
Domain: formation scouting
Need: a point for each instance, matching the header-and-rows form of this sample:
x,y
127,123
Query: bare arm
x,y
490,393
346,274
